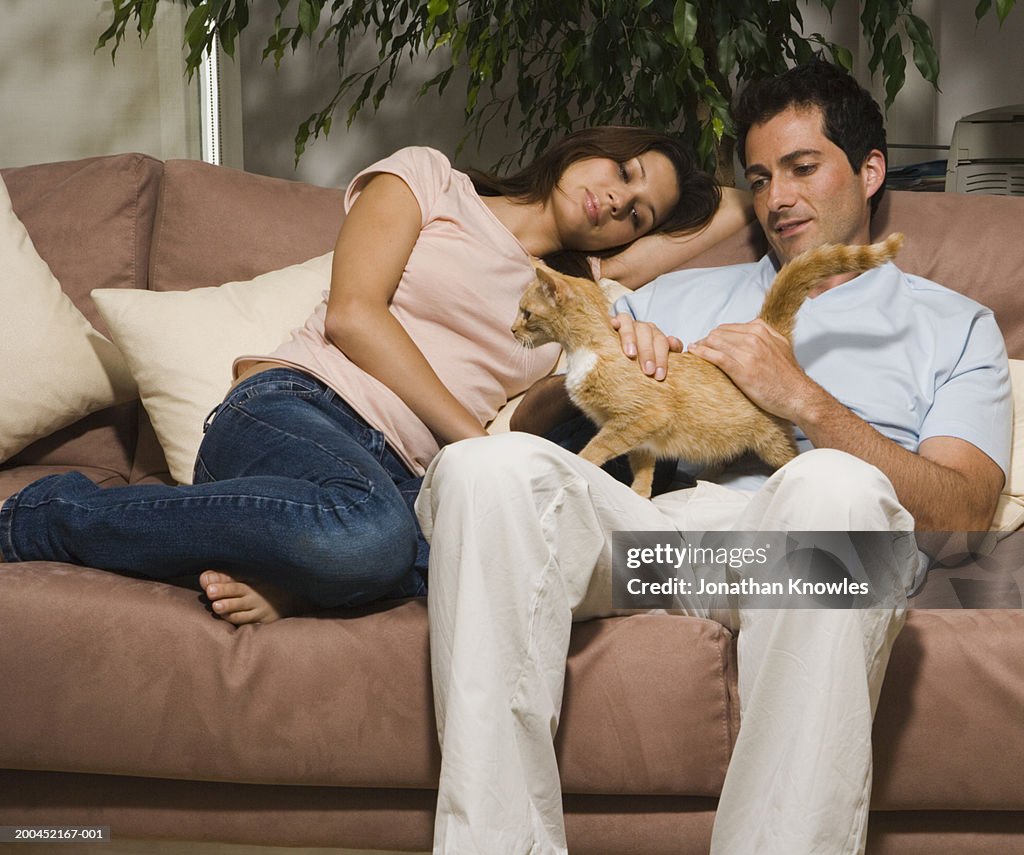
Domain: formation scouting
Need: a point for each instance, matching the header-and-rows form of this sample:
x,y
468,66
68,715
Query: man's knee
x,y
831,471
838,484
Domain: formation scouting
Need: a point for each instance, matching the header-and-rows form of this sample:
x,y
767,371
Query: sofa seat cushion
x,y
949,723
650,707
161,688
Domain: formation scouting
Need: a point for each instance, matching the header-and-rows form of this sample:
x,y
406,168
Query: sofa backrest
x,y
972,244
92,222
217,225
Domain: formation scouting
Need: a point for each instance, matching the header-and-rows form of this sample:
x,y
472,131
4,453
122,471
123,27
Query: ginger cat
x,y
697,413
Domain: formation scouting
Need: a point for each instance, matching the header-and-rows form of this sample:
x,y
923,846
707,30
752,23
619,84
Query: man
x,y
899,394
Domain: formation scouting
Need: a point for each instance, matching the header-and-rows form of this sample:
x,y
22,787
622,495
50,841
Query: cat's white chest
x,y
579,364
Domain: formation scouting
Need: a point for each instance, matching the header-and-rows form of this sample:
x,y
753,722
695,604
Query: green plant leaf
x,y
843,56
309,16
147,14
982,9
1003,8
894,65
925,57
684,23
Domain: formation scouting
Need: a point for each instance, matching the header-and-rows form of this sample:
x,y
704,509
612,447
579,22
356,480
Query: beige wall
x,y
59,100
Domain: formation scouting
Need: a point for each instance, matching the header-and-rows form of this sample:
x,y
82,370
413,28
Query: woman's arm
x,y
372,251
650,256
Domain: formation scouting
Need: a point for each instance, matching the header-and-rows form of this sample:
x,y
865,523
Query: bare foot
x,y
240,602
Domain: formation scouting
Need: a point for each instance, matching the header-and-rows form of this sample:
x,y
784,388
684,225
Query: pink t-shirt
x,y
457,300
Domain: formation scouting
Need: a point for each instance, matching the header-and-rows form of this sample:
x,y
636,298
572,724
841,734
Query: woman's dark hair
x,y
699,193
852,118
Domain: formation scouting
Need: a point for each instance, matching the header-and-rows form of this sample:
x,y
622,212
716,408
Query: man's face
x,y
805,193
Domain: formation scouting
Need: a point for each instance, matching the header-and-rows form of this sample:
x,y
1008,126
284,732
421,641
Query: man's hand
x,y
761,363
647,344
949,485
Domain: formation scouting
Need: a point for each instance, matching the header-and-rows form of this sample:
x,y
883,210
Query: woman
x,y
304,482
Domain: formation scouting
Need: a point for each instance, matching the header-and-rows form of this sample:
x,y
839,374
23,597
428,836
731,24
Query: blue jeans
x,y
291,487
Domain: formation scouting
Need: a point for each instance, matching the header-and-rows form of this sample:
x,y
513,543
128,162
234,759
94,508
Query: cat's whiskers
x,y
518,356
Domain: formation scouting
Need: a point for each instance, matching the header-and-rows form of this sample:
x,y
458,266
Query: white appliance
x,y
987,153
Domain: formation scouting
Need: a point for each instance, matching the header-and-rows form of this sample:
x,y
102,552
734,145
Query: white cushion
x,y
55,367
180,345
1010,510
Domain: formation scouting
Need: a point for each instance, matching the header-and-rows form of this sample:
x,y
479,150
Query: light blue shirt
x,y
910,357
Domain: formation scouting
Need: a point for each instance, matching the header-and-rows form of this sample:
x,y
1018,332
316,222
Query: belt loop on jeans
x,y
211,416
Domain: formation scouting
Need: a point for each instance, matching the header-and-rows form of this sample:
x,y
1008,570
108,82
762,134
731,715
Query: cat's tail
x,y
796,278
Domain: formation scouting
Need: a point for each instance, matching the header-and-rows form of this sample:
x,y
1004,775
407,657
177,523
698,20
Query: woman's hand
x,y
647,344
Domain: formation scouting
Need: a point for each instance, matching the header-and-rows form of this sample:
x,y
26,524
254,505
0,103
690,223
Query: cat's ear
x,y
551,285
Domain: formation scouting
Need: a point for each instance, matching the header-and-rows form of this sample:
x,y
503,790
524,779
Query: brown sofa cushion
x,y
92,222
218,225
948,727
313,701
346,700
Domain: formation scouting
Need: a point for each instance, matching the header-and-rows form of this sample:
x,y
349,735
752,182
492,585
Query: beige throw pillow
x,y
1010,510
180,345
56,368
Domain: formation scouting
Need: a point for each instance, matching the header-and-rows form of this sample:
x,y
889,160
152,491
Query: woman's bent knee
x,y
353,558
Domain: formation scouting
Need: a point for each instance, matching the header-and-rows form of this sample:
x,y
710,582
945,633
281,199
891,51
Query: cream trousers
x,y
520,534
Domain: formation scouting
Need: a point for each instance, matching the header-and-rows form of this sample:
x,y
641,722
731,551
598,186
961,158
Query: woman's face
x,y
600,203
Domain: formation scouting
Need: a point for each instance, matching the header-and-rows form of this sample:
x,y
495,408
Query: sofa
x,y
126,703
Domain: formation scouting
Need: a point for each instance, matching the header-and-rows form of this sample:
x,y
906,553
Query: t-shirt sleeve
x,y
426,171
975,402
635,304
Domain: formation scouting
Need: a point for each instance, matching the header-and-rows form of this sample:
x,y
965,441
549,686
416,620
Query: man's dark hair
x,y
853,120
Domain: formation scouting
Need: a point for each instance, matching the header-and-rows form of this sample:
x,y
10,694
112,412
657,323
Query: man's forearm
x,y
939,497
948,485
545,405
